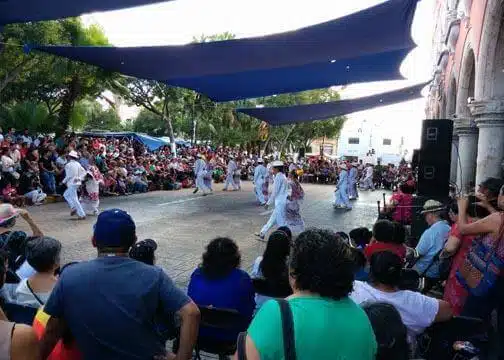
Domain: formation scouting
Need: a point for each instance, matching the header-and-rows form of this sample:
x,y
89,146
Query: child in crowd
x,y
387,236
10,194
144,251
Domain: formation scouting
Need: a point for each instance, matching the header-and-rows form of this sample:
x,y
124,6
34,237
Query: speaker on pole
x,y
435,158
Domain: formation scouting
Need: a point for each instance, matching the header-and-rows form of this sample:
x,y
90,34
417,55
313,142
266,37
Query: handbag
x,y
482,267
287,332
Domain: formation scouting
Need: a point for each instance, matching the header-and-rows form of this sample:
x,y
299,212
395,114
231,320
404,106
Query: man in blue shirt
x,y
109,304
432,240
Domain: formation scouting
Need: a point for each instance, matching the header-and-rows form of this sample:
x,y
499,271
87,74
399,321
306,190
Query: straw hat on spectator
x,y
260,161
7,212
431,206
277,163
73,154
343,166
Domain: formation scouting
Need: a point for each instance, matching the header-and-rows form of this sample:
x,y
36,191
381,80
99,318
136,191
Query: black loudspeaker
x,y
302,152
418,224
415,158
434,159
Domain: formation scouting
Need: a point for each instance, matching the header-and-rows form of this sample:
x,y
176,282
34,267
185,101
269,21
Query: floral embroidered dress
x,y
293,207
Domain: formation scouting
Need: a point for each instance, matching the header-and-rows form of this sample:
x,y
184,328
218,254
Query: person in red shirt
x,y
387,236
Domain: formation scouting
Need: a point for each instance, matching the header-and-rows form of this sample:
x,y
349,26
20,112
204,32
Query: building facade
x,y
468,85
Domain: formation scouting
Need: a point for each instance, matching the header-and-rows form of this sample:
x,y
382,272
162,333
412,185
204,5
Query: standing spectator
x,y
488,193
47,169
327,324
109,303
432,241
219,283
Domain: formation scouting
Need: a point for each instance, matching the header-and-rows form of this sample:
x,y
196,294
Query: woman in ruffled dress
x,y
293,206
91,191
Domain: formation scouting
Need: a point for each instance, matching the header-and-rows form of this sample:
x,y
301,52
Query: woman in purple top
x,y
218,282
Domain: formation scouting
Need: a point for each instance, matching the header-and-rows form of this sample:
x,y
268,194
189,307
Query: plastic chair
x,y
20,314
11,277
219,320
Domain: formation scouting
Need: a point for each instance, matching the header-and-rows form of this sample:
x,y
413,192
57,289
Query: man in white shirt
x,y
74,174
417,311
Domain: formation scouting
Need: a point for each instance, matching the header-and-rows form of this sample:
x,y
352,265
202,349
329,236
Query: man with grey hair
x,y
432,240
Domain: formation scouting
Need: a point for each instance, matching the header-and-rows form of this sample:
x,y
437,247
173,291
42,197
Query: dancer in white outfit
x,y
200,172
260,174
231,168
279,197
341,200
74,174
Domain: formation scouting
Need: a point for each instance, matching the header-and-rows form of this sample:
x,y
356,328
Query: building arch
x,y
490,77
467,81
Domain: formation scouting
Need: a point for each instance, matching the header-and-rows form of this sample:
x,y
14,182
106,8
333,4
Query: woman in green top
x,y
327,324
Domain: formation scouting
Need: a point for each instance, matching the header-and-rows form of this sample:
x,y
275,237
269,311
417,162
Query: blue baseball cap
x,y
114,228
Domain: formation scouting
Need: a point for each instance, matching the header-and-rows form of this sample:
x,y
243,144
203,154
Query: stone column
x,y
467,133
489,117
454,159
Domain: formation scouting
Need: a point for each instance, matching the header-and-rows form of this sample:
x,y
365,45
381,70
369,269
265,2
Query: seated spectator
x,y
391,333
456,249
321,275
10,192
401,205
272,266
18,341
43,255
14,241
144,251
417,311
360,237
117,324
432,241
47,172
30,187
219,283
385,238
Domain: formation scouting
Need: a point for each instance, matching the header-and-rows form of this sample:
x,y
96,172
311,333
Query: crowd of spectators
x,y
121,305
32,168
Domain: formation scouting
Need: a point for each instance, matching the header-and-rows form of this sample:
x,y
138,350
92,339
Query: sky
x,y
179,21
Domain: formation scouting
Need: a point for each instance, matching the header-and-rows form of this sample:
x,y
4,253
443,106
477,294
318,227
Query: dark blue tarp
x,y
13,11
303,113
297,60
152,143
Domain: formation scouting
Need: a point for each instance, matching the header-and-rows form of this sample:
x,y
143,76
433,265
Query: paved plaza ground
x,y
183,223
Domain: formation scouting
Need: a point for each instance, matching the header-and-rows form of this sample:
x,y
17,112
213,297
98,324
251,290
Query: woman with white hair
x,y
279,196
231,168
341,200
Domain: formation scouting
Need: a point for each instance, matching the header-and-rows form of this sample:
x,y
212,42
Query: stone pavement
x,y
183,223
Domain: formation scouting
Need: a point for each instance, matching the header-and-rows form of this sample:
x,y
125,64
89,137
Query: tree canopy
x,y
52,94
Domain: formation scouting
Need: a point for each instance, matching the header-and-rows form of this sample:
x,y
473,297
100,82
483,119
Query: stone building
x,y
468,86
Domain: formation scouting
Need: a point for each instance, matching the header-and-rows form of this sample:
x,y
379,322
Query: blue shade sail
x,y
311,112
291,61
17,11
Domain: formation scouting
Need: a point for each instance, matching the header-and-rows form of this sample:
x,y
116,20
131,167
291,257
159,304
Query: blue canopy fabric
x,y
250,84
315,56
152,143
14,11
311,112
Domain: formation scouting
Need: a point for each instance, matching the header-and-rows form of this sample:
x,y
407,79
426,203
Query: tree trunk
x,y
71,95
284,141
171,134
